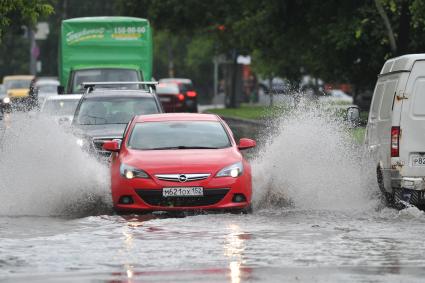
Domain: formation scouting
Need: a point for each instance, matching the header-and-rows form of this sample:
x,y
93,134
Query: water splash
x,y
311,162
44,172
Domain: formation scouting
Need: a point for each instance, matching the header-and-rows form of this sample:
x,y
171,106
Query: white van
x,y
395,133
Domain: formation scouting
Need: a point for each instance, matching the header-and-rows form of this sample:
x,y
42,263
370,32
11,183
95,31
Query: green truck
x,y
94,49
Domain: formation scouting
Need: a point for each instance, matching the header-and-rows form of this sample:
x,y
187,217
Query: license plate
x,y
182,192
165,99
418,160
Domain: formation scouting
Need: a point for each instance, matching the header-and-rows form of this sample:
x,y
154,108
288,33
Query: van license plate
x,y
418,160
182,192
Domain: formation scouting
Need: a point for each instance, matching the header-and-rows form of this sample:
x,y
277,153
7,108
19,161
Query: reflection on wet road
x,y
266,246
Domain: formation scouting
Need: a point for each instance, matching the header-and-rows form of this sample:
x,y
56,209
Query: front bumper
x,y
146,194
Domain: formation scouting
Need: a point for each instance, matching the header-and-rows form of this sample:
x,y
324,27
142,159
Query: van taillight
x,y
395,141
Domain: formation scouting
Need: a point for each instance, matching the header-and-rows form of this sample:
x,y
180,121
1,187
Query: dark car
x,y
103,113
177,95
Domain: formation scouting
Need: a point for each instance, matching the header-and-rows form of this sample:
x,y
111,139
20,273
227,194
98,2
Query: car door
x,y
384,120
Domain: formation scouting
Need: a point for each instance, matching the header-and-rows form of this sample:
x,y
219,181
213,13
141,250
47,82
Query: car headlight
x,y
234,170
6,100
81,142
129,172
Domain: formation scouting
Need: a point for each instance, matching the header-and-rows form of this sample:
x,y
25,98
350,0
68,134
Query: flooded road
x,y
270,245
317,217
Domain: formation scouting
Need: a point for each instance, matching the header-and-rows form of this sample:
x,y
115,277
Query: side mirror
x,y
246,143
353,116
113,146
60,89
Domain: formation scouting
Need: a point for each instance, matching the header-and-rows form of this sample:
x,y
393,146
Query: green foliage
x,y
358,134
191,57
18,12
338,41
251,112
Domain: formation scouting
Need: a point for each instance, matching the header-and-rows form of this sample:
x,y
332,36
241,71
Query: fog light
x,y
239,198
6,100
126,200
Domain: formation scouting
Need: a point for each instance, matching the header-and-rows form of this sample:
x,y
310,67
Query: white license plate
x,y
165,99
182,192
418,160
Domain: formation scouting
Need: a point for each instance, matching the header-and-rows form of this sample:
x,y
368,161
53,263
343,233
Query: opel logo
x,y
182,178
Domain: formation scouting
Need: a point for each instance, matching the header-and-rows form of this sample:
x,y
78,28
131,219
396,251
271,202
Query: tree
x,y
338,41
14,13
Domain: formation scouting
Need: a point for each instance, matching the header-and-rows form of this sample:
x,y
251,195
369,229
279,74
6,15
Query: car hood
x,y
182,160
100,131
18,92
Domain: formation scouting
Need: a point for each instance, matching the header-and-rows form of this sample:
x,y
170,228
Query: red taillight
x,y
191,93
395,141
180,97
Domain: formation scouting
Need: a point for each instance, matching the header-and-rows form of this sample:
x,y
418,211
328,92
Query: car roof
x,y
106,92
47,82
401,63
18,77
176,117
175,80
64,97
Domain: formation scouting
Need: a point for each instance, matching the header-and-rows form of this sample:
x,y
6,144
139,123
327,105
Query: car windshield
x,y
178,135
167,89
114,110
47,89
16,84
105,75
60,107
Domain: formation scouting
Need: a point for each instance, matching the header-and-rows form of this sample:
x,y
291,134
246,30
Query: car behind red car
x,y
179,162
177,95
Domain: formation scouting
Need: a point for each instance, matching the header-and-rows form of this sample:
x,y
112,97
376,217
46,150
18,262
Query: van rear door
x,y
412,124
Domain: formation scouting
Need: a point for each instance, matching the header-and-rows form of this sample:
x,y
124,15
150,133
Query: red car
x,y
177,95
179,162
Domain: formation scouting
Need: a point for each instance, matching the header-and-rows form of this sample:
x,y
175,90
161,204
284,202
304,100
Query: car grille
x,y
155,198
182,177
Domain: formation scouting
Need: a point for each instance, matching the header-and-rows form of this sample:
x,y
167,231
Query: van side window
x,y
387,100
377,97
419,97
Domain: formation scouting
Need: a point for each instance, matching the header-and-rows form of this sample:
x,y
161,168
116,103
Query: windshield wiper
x,y
184,147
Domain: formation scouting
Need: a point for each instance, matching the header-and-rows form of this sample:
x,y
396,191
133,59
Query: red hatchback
x,y
179,162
